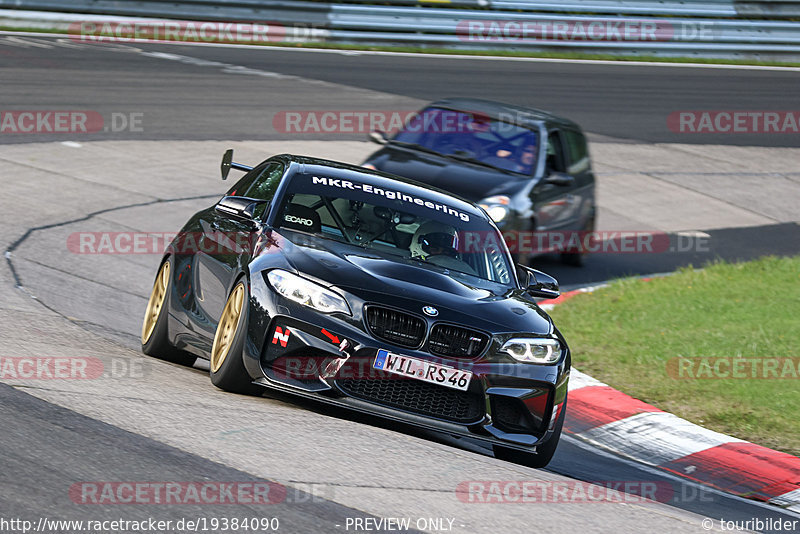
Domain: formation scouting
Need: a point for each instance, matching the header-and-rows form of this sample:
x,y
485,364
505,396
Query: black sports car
x,y
529,169
367,291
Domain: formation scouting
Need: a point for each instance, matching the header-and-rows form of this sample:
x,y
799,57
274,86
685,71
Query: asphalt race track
x,y
114,454
203,92
146,420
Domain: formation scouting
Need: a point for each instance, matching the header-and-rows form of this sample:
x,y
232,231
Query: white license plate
x,y
422,370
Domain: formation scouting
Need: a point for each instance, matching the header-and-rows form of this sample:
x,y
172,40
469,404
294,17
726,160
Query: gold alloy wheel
x,y
226,329
156,302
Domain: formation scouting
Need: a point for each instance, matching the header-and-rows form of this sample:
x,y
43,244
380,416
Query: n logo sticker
x,y
281,335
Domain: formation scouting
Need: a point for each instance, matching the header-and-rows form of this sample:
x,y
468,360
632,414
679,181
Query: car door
x,y
554,199
579,166
227,241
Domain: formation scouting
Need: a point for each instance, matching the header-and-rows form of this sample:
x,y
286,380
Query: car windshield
x,y
473,137
406,222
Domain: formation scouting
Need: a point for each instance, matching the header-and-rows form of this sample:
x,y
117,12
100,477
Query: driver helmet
x,y
434,239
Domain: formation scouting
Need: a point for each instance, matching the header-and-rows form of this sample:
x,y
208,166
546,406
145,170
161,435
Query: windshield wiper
x,y
415,146
456,156
470,159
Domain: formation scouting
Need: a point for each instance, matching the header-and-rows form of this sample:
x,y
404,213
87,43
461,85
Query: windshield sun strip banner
x,y
389,194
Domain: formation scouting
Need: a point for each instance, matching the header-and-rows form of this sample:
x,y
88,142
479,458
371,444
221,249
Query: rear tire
x,y
227,369
544,452
155,332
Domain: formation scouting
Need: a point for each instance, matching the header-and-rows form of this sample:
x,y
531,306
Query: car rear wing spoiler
x,y
228,164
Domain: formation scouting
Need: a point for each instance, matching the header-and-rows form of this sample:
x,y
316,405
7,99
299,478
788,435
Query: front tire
x,y
155,334
227,369
543,454
577,257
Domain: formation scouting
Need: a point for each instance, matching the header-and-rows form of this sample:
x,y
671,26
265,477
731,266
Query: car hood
x,y
466,180
408,285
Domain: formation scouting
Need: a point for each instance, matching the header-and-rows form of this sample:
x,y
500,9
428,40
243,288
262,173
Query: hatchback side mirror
x,y
377,136
559,178
540,284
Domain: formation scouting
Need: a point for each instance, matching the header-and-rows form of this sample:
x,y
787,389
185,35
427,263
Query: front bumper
x,y
330,359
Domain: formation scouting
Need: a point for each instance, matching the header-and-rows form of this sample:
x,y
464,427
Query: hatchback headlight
x,y
306,292
533,350
496,207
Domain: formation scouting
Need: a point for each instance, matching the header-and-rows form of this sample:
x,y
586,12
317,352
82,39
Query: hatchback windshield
x,y
472,136
404,222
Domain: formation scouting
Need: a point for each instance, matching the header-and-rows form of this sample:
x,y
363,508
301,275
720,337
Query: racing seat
x,y
302,218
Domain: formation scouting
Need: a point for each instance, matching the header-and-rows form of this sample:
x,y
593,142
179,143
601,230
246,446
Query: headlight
x,y
496,207
497,213
307,292
533,350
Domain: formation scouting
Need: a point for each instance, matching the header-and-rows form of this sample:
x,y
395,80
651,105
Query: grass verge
x,y
635,335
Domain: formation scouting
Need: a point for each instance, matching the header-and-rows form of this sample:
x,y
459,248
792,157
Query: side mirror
x,y
228,164
377,136
239,207
559,178
540,284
